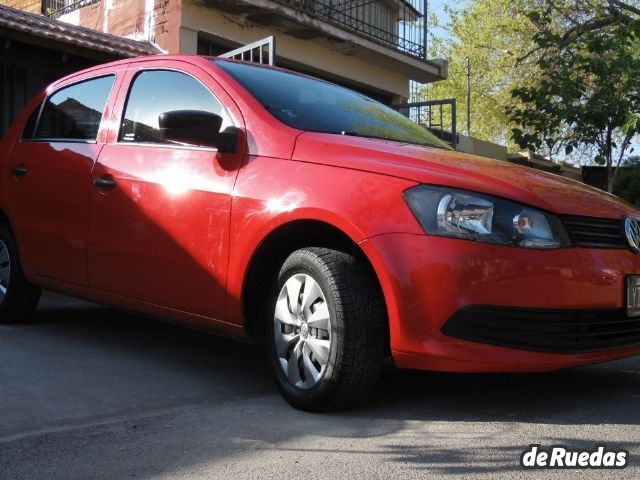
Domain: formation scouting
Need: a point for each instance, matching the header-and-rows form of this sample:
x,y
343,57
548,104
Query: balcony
x,y
56,8
389,33
397,24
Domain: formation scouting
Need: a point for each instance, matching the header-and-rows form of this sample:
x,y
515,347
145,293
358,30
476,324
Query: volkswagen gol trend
x,y
261,203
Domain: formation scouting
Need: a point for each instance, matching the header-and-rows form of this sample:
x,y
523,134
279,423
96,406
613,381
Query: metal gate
x,y
262,51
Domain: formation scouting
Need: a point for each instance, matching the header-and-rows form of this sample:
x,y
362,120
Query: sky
x,y
437,7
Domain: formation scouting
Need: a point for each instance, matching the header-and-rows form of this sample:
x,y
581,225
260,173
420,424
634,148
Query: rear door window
x,y
73,113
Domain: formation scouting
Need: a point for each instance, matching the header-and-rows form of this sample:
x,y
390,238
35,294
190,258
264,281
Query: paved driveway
x,y
86,392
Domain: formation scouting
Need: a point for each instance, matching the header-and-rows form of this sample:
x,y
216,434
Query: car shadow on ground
x,y
602,391
594,394
80,364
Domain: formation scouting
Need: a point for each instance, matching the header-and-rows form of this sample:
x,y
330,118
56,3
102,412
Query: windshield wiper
x,y
358,134
350,133
280,110
406,142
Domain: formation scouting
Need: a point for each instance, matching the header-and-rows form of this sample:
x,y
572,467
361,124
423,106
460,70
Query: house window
x,y
210,48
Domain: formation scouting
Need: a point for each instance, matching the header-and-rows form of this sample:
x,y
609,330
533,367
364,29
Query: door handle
x,y
104,183
19,170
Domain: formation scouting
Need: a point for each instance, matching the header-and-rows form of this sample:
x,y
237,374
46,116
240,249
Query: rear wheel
x,y
326,333
18,297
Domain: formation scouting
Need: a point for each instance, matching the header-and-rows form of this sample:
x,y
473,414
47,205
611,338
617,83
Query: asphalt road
x,y
89,393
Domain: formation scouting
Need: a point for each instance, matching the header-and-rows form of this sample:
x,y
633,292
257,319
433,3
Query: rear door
x,y
49,179
160,221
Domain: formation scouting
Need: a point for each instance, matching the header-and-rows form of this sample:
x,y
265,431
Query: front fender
x,y
271,193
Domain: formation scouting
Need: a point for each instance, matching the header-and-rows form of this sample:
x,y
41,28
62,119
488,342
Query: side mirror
x,y
195,127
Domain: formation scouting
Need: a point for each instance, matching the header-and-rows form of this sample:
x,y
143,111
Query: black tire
x,y
359,331
21,298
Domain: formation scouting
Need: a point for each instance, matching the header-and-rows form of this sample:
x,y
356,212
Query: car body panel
x,y
50,207
436,277
455,169
272,192
165,227
49,204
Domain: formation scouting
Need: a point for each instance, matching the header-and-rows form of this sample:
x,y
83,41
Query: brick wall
x,y
124,18
168,19
34,6
127,18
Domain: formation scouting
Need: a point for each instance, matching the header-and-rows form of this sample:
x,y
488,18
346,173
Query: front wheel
x,y
18,297
326,332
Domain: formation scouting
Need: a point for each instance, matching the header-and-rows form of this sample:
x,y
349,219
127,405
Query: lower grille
x,y
595,232
542,330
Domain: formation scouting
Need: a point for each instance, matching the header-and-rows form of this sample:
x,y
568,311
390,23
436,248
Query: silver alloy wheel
x,y
302,331
5,269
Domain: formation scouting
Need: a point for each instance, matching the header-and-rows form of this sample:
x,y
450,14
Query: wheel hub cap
x,y
302,331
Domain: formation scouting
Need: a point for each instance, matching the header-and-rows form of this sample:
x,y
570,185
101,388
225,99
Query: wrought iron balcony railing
x,y
55,8
439,116
399,24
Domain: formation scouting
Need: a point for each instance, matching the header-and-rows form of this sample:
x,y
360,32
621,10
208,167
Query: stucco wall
x,y
199,18
33,6
481,147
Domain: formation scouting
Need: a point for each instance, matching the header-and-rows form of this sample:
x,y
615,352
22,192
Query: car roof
x,y
193,59
104,67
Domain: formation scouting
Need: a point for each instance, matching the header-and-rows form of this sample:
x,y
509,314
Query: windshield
x,y
317,106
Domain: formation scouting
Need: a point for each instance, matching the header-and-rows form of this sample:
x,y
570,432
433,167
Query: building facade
x,y
376,47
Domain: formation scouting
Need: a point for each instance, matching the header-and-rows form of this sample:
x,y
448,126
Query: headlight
x,y
456,213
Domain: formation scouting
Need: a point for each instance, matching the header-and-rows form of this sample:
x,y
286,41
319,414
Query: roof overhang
x,y
43,31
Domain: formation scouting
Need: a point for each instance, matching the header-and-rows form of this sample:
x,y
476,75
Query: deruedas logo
x,y
559,456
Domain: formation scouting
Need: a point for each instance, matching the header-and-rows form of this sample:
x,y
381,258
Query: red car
x,y
265,204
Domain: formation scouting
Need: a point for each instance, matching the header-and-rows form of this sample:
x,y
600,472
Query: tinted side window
x,y
74,112
154,92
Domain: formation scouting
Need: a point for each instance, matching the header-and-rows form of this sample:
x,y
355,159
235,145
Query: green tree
x,y
493,34
588,92
627,182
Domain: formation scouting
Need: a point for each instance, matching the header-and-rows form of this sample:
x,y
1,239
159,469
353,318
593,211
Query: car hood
x,y
454,169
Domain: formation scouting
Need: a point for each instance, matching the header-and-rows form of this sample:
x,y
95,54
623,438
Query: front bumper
x,y
427,281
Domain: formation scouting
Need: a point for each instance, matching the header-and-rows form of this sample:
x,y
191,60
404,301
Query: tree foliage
x,y
587,94
492,34
627,182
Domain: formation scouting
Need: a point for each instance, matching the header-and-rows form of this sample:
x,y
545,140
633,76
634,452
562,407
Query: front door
x,y
160,211
49,180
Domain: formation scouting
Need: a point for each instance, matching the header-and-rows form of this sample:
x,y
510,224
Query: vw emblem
x,y
632,231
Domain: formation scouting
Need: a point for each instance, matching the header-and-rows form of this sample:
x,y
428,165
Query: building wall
x,y
174,25
33,6
168,16
312,54
481,147
157,21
